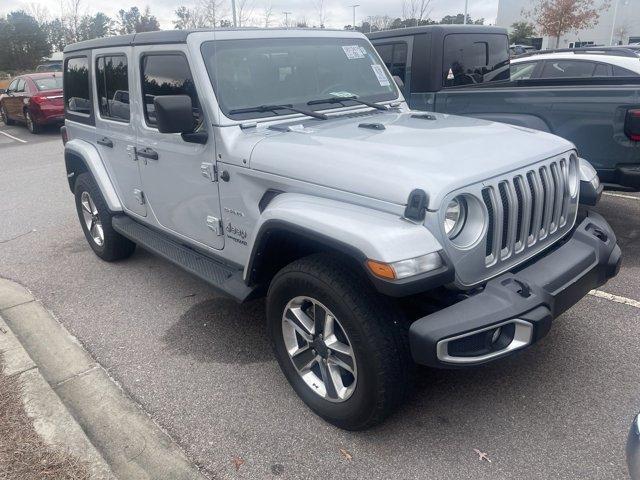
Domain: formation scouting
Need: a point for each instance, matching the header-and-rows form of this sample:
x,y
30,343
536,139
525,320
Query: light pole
x,y
233,9
615,17
286,18
466,9
354,15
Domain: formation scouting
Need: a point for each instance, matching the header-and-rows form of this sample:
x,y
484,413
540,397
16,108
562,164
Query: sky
x,y
338,12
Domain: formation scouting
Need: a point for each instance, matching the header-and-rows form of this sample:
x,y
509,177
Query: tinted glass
x,y
602,70
279,71
567,69
167,74
112,82
471,58
49,83
76,86
394,56
623,72
522,71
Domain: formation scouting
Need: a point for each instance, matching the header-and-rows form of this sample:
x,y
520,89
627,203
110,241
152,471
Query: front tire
x,y
5,117
95,219
353,374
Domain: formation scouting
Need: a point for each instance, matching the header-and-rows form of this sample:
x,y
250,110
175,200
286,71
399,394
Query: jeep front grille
x,y
526,209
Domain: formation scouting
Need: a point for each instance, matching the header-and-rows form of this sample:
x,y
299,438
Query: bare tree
x,y
72,18
380,22
321,12
244,9
267,14
39,12
621,33
416,9
212,12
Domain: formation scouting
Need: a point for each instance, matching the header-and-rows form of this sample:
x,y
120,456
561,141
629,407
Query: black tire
x,y
376,331
114,246
5,118
33,126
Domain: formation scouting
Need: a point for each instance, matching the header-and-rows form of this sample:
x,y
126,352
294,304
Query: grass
x,y
23,454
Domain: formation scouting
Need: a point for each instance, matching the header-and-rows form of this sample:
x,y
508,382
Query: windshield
x,y
49,83
294,71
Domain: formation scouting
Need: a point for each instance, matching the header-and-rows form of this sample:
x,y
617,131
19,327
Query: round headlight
x,y
455,217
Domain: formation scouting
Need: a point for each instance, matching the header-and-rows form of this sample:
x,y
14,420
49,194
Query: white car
x,y
577,64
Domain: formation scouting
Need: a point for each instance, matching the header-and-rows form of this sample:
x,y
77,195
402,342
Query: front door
x,y
14,102
177,176
115,137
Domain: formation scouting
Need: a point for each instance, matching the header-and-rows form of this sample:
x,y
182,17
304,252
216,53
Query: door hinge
x,y
209,170
139,196
215,224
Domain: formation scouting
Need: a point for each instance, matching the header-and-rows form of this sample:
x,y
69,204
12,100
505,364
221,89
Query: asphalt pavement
x,y
202,367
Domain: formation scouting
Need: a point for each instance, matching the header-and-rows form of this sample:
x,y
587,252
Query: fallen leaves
x,y
482,456
346,454
238,462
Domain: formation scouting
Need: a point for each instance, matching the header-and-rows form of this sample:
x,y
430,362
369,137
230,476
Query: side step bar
x,y
223,277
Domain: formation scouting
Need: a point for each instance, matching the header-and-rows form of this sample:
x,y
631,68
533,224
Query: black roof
x,y
442,29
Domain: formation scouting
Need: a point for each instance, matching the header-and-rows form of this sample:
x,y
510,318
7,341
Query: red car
x,y
34,99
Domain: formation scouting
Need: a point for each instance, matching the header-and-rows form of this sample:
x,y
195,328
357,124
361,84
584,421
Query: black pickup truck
x,y
465,70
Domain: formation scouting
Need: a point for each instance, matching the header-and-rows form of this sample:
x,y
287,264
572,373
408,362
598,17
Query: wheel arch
x,y
82,157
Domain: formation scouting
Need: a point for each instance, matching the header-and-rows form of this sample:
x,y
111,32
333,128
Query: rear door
x,y
176,175
114,79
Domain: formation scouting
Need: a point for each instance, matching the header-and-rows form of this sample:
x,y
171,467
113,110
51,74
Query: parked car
x,y
633,449
34,99
286,164
50,67
465,70
580,63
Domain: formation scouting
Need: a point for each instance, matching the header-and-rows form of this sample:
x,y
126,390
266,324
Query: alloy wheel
x,y
319,349
92,219
30,124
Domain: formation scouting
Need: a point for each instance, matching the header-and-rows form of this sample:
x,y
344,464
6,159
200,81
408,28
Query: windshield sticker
x,y
353,52
342,94
382,78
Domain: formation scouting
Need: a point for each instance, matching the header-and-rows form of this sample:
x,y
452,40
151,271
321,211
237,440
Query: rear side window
x,y
76,86
522,71
567,69
49,83
471,58
167,74
112,82
623,72
602,70
394,56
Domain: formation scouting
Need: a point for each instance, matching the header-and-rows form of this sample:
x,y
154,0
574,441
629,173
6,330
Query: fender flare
x,y
358,232
89,156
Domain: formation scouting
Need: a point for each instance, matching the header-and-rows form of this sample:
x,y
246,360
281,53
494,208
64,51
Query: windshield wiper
x,y
273,108
344,99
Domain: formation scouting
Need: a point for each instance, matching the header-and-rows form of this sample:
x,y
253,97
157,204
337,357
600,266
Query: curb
x,y
110,431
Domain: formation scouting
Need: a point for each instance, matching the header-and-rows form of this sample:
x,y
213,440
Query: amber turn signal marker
x,y
382,270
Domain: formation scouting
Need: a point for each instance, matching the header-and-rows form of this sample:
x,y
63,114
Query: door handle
x,y
105,142
149,153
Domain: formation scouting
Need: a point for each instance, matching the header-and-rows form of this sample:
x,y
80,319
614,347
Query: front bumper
x,y
516,309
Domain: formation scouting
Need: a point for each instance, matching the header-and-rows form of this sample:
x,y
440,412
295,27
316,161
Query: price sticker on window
x,y
353,52
380,75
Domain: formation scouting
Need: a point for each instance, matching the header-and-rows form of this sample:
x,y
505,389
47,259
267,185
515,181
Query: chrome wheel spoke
x,y
319,349
85,205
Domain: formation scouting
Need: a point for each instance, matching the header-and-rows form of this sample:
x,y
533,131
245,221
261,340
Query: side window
x,y
522,71
471,58
14,85
623,72
167,74
394,56
602,70
112,82
21,86
76,86
567,69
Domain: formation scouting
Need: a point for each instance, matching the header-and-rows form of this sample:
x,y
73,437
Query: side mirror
x,y
398,81
174,114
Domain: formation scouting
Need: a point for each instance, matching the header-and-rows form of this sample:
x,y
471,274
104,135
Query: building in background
x,y
626,29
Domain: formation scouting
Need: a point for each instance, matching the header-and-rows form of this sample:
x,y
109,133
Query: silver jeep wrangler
x,y
286,164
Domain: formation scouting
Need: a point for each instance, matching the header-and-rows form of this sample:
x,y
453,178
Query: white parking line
x,y
620,195
12,137
615,298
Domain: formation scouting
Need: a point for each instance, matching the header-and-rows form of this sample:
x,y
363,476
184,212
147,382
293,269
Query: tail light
x,y
39,99
64,134
632,124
